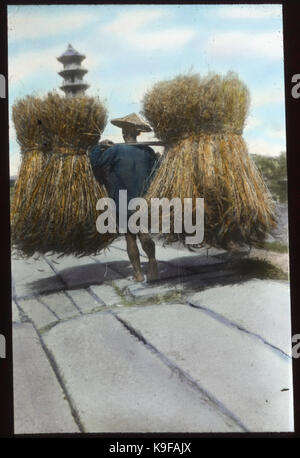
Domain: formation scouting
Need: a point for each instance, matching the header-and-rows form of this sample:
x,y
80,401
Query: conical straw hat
x,y
131,120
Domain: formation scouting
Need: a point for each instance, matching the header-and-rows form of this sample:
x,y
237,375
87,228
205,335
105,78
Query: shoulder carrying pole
x,y
156,143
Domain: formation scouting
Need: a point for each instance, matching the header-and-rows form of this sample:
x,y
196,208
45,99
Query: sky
x,y
128,48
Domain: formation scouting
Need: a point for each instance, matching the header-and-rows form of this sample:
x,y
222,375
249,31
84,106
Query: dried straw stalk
x,y
201,120
60,215
35,146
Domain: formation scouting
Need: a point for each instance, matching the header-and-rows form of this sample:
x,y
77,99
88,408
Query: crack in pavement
x,y
59,378
181,373
222,319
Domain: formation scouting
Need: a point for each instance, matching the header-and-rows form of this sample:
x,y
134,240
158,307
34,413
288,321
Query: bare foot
x,y
152,273
138,277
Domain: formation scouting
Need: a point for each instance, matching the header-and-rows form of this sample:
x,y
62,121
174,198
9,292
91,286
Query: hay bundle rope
x,y
60,215
201,121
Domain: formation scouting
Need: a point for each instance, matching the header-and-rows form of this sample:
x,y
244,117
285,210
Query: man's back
x,y
129,168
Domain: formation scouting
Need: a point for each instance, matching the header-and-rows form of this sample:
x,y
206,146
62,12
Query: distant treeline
x,y
274,171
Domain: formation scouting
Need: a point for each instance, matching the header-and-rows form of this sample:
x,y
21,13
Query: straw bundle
x,y
35,145
201,120
60,215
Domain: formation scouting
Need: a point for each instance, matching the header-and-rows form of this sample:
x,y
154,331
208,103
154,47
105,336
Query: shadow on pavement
x,y
192,272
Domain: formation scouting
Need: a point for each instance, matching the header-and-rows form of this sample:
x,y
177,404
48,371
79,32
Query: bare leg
x,y
149,247
134,256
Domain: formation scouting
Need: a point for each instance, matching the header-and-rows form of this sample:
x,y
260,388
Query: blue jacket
x,y
128,167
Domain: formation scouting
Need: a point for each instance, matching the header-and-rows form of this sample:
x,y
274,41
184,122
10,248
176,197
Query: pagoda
x,y
72,72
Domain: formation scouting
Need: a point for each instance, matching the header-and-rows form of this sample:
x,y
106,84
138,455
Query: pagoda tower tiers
x,y
72,72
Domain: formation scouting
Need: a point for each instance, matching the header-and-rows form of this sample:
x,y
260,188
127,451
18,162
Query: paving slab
x,y
38,313
86,275
117,260
205,279
85,301
112,254
145,291
64,262
60,304
166,270
168,253
122,283
118,385
33,276
241,372
16,318
107,294
39,402
123,268
198,263
163,253
192,250
260,306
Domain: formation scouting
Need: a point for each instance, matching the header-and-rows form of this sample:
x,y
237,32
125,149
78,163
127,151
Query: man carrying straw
x,y
128,167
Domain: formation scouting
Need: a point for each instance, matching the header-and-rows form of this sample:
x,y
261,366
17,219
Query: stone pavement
x,y
201,350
